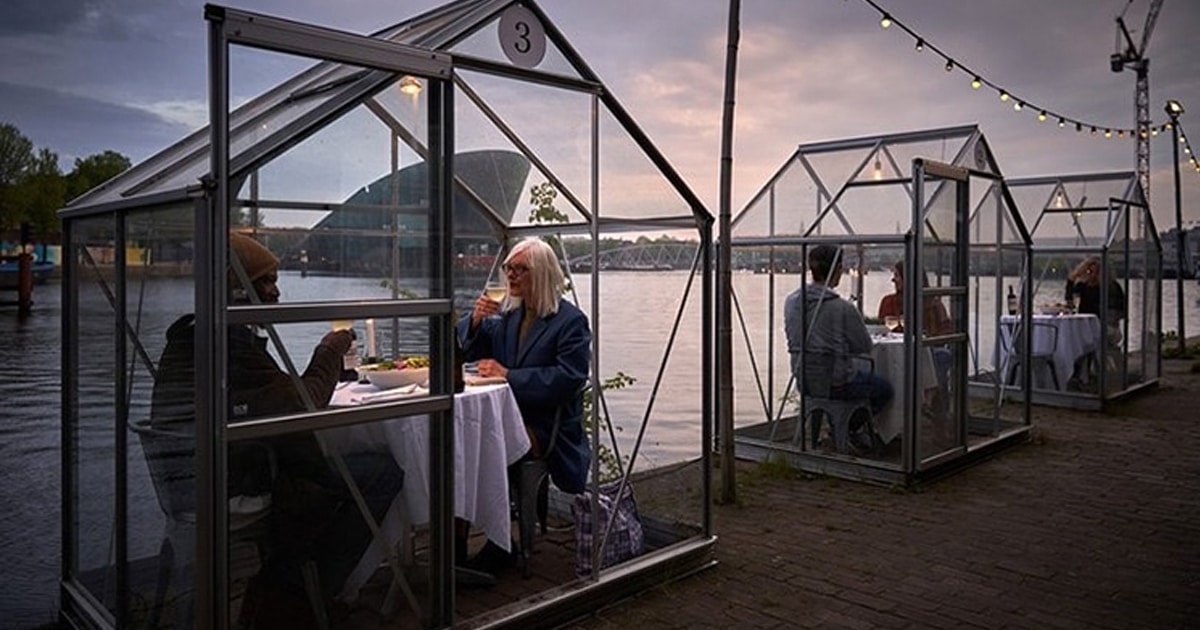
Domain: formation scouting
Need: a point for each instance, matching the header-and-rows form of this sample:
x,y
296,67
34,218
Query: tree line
x,y
33,187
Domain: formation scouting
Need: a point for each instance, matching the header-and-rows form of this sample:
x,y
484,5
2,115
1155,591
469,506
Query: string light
x,y
1042,116
977,80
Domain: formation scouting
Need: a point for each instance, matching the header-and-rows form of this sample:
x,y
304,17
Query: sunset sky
x,y
80,77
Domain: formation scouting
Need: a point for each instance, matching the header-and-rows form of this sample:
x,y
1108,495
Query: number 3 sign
x,y
522,36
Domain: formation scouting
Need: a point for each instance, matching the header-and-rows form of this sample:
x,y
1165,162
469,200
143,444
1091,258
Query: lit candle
x,y
370,337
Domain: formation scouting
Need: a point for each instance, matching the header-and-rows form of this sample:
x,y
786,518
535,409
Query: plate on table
x,y
389,379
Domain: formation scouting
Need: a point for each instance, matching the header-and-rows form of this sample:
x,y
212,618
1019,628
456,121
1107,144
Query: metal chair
x,y
170,457
838,412
529,488
1040,356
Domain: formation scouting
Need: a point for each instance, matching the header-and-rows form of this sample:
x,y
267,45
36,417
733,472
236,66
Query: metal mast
x,y
1133,56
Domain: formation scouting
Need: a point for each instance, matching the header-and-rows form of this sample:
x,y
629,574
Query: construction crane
x,y
1130,55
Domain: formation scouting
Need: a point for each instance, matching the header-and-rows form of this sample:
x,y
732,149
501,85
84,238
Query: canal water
x,y
634,330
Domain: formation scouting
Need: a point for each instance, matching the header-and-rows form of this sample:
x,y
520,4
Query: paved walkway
x,y
1094,524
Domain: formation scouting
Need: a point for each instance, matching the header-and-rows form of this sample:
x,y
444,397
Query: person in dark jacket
x,y
312,514
541,344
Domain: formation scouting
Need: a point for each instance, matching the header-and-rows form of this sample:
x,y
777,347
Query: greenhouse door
x,y
936,298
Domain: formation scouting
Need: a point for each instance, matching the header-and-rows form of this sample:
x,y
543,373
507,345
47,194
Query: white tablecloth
x,y
489,435
1078,336
888,353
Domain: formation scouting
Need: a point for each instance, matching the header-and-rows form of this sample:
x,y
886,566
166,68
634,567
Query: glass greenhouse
x,y
1097,279
389,175
921,218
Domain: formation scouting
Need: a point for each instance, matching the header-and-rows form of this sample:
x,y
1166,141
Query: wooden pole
x,y
724,261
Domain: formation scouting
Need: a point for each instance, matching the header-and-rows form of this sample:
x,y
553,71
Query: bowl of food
x,y
399,373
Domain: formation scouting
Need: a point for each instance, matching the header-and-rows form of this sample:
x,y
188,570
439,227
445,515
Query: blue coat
x,y
546,372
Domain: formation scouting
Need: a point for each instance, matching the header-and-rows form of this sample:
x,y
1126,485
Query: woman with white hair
x,y
542,345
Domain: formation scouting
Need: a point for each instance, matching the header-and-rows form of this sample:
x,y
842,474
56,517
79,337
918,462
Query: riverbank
x,y
1094,524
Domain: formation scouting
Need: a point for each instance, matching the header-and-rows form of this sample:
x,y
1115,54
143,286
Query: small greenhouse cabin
x,y
1098,341
924,217
390,175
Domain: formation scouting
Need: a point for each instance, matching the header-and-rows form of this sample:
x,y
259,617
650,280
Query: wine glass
x,y
892,322
495,291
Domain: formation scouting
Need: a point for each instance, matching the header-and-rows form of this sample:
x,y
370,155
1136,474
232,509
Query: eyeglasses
x,y
514,270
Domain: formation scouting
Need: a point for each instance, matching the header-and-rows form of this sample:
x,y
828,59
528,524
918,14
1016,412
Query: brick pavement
x,y
1093,524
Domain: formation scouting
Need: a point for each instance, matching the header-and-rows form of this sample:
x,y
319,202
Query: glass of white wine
x,y
495,291
892,322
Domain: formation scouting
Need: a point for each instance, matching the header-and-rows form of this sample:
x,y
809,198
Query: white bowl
x,y
388,379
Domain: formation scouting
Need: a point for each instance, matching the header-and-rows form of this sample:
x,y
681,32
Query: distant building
x,y
360,237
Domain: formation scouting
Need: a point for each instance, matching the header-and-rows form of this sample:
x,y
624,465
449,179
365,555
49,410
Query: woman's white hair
x,y
545,277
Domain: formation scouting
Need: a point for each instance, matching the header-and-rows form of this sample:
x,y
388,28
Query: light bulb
x,y
878,169
1061,123
1093,131
976,82
1041,116
1108,133
920,44
1003,95
410,85
1058,200
1154,131
886,21
1078,127
1018,105
949,65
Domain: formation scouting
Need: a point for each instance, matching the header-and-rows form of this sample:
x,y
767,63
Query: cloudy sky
x,y
84,76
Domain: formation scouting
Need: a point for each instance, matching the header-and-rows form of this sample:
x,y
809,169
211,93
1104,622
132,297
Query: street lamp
x,y
1174,109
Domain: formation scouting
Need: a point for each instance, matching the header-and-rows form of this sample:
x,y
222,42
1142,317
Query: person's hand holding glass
x,y
488,304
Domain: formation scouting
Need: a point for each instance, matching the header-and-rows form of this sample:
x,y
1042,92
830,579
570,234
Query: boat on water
x,y
41,271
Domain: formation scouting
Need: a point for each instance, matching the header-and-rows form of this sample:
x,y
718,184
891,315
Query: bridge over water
x,y
664,256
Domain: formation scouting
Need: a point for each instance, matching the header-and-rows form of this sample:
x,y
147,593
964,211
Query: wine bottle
x,y
1012,301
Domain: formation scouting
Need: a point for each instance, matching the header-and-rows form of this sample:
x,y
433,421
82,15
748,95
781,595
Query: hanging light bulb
x,y
886,21
1018,105
1042,116
1003,95
1061,123
1182,138
1154,131
1121,133
1058,200
920,44
1108,133
1093,131
1078,127
878,174
410,85
949,65
976,82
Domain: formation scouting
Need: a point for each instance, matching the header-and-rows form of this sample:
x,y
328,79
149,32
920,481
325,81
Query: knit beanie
x,y
256,259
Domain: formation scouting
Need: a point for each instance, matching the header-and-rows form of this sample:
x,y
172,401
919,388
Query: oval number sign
x,y
522,36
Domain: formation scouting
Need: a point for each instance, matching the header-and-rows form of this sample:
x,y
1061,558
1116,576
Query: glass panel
x,y
632,186
92,453
935,376
554,125
485,43
161,443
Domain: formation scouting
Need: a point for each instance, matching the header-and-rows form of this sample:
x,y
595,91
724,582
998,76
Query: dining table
x,y
887,350
489,436
1078,335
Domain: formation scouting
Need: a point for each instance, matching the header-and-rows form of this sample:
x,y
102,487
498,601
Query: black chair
x,y
1039,356
170,457
529,488
838,412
